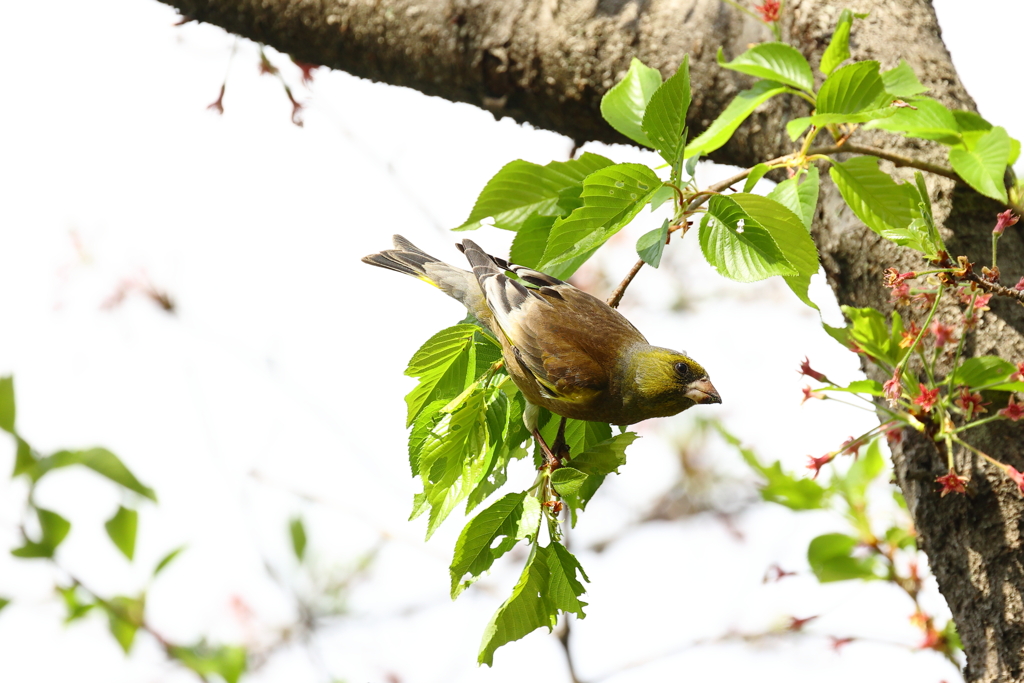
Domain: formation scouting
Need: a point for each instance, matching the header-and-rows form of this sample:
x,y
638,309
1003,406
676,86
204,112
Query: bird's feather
x,y
561,337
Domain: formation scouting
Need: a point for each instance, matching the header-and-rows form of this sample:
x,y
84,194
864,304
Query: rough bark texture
x,y
548,62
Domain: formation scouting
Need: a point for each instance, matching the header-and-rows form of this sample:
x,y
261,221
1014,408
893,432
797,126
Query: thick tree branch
x,y
537,61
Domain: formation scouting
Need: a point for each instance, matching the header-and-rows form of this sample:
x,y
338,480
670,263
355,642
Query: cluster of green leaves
x,y
564,211
53,528
862,94
467,426
888,344
832,556
125,614
866,550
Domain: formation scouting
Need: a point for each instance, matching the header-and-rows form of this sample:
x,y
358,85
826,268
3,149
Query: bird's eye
x,y
682,369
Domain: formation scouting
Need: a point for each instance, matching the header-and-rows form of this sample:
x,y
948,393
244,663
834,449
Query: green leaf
x,y
840,334
663,194
4,602
581,436
101,461
928,120
951,635
874,196
982,371
664,118
623,106
73,601
7,404
227,661
780,487
167,559
54,529
522,189
25,461
125,617
452,456
786,229
567,481
722,128
777,62
869,331
737,246
801,286
925,205
612,197
747,237
529,243
595,452
861,386
853,94
915,236
854,484
441,365
478,546
831,559
901,538
122,528
756,173
796,127
969,121
799,197
297,531
984,166
548,586
691,164
651,244
505,434
605,457
838,50
901,81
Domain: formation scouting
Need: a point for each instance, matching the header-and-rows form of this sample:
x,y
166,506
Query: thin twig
x,y
698,199
563,638
752,638
897,159
995,288
621,289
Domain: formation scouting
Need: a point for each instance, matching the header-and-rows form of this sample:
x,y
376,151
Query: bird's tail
x,y
406,258
455,282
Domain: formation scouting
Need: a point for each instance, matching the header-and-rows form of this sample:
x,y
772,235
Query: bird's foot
x,y
552,456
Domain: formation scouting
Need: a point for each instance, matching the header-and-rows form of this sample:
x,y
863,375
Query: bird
x,y
566,350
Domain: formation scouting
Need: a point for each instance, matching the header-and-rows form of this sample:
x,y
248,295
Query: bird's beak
x,y
702,391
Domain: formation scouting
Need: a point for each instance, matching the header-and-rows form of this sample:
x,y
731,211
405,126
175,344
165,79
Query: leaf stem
x,y
959,345
977,423
924,330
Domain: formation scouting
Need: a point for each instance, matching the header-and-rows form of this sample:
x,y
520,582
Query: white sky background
x,y
285,359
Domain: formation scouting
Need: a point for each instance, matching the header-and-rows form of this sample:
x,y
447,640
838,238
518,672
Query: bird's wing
x,y
555,331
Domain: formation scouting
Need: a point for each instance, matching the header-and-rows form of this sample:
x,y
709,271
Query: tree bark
x,y
548,62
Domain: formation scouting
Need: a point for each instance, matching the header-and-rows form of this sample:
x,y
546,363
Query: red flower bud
x,y
806,369
769,10
1003,221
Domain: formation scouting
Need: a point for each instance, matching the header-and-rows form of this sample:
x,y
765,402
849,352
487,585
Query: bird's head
x,y
665,382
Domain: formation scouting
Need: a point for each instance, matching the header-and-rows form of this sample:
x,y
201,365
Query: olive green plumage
x,y
566,350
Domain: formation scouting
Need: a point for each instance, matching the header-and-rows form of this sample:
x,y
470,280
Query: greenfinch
x,y
566,350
